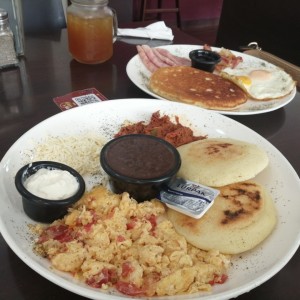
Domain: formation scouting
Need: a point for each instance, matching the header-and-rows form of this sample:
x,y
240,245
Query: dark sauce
x,y
141,158
139,164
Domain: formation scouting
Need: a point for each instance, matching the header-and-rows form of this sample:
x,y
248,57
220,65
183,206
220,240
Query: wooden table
x,y
48,71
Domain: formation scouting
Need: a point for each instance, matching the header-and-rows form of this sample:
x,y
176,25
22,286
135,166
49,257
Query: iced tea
x,y
90,39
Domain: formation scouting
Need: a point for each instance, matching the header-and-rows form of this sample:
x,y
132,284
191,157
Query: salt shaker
x,y
8,55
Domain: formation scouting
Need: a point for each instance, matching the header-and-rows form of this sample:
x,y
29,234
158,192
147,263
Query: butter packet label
x,y
79,98
188,197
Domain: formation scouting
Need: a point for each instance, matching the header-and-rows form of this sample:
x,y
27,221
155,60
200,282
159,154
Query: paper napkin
x,y
157,30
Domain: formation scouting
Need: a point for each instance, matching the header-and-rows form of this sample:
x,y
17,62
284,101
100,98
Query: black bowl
x,y
139,164
205,60
45,210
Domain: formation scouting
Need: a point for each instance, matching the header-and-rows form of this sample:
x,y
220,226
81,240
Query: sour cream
x,y
52,184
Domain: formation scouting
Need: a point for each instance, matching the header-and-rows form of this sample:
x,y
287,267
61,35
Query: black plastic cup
x,y
139,164
205,60
45,210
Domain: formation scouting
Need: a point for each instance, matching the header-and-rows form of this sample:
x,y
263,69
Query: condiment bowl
x,y
205,60
41,209
139,164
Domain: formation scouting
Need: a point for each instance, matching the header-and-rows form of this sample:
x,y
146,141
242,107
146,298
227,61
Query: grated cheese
x,y
81,152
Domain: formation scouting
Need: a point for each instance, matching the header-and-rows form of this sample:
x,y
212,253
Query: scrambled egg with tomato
x,y
111,241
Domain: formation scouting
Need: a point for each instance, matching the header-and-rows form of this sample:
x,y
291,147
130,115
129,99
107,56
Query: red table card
x,y
79,98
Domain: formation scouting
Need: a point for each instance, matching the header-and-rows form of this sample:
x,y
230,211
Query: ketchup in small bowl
x,y
205,60
139,164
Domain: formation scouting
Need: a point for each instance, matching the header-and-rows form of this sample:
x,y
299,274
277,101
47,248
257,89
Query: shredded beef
x,y
162,127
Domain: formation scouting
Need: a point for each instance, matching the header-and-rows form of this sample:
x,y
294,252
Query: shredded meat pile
x,y
162,127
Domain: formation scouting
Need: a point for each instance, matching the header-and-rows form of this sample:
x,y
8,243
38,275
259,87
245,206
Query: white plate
x,y
248,270
139,75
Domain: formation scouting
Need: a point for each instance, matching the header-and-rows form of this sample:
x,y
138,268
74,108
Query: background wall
x,y
200,9
191,10
273,24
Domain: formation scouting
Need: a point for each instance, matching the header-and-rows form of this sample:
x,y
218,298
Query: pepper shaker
x,y
8,55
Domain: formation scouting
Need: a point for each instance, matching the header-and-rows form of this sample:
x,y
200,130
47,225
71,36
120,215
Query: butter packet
x,y
188,197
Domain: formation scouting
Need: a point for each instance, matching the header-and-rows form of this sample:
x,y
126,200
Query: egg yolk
x,y
260,75
245,80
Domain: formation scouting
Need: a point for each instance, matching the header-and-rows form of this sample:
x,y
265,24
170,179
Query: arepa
x,y
242,216
217,162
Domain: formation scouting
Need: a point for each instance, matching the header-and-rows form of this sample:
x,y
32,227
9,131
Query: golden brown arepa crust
x,y
193,86
241,217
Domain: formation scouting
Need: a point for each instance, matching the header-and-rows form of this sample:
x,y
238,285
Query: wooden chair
x,y
159,10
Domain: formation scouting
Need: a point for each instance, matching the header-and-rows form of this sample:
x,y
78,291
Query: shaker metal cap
x,y
90,2
3,14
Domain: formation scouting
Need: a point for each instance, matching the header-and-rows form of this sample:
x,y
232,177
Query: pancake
x,y
193,86
220,161
241,217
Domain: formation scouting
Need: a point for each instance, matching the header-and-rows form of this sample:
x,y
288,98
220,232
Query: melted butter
x,y
52,184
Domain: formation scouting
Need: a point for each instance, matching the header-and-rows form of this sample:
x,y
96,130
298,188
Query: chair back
x,y
273,24
43,15
123,8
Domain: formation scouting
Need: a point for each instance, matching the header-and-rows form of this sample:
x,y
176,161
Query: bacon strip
x,y
179,61
154,58
228,59
145,60
207,47
164,58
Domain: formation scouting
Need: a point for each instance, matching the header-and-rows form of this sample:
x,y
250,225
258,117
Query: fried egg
x,y
261,82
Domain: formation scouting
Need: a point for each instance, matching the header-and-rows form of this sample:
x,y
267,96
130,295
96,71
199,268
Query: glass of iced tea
x,y
92,29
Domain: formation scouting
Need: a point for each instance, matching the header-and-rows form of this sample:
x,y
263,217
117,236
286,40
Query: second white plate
x,y
139,75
